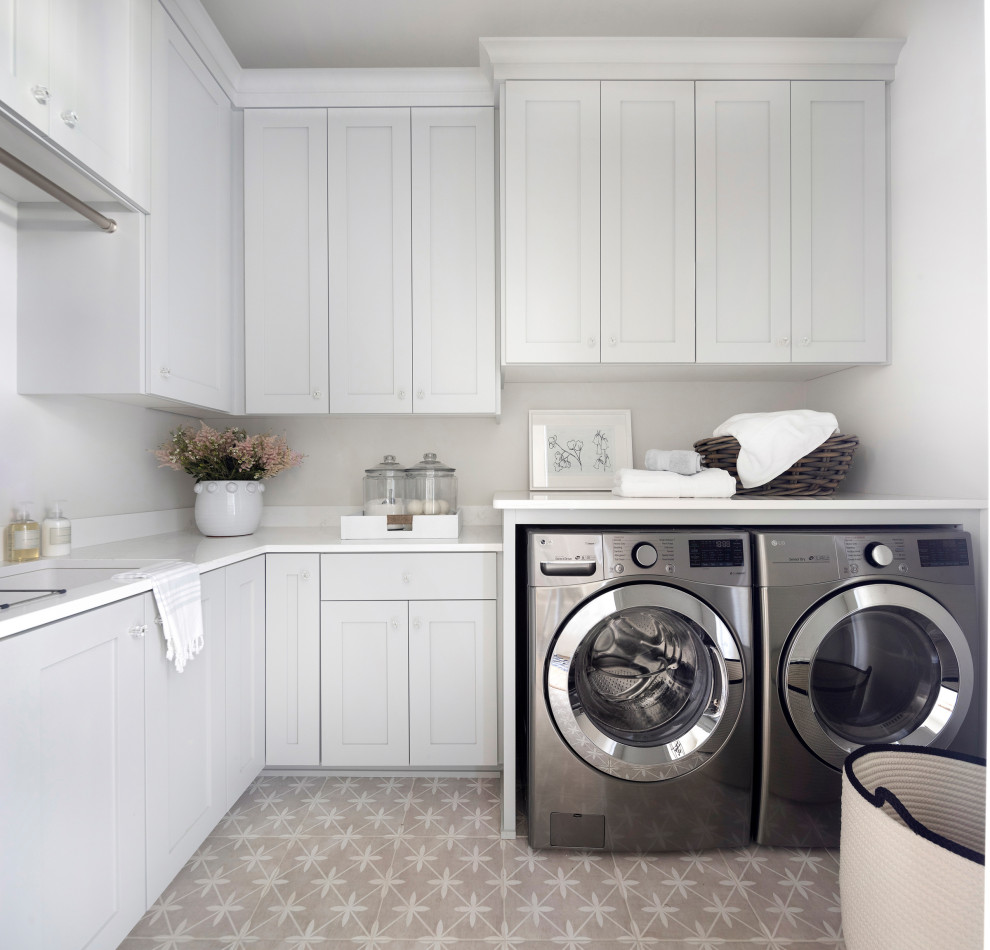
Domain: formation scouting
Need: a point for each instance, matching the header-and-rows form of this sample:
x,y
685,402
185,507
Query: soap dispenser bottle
x,y
56,533
23,536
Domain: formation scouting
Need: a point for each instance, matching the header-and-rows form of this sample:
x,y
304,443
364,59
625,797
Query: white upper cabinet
x,y
455,365
412,260
25,85
838,222
370,260
666,221
190,321
78,71
743,209
647,226
552,215
285,260
599,222
144,313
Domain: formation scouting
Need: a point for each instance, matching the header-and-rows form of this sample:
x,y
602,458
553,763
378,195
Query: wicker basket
x,y
818,473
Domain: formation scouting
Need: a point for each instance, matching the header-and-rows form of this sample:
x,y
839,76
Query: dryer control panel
x,y
790,558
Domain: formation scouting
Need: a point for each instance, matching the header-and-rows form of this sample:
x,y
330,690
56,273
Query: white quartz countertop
x,y
208,553
839,502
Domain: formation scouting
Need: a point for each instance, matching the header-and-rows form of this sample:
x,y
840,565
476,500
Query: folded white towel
x,y
682,461
637,483
771,442
177,592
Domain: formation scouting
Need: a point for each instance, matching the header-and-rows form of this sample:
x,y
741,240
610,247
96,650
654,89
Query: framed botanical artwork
x,y
578,449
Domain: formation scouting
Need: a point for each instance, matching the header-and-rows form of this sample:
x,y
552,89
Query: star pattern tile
x,y
372,863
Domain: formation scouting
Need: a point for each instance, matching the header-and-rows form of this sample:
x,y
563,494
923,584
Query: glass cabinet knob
x,y
41,94
70,117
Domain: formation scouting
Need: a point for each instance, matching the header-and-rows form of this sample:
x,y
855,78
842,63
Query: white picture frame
x,y
578,449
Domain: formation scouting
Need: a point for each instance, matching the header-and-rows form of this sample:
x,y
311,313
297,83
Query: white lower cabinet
x,y
364,683
116,767
292,659
245,674
186,742
408,672
452,682
72,743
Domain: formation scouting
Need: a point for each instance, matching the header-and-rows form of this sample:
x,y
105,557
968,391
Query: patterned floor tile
x,y
371,863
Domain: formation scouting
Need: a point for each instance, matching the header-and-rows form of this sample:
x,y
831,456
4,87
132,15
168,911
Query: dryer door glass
x,y
876,675
876,663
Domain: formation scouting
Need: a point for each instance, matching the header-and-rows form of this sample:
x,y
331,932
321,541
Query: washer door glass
x,y
876,664
645,682
643,675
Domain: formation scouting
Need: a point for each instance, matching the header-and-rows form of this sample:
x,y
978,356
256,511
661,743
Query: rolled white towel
x,y
771,442
638,483
682,461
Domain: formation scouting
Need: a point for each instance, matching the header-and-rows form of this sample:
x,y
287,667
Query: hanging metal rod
x,y
57,191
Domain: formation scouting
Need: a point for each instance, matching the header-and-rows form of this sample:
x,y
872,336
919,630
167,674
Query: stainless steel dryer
x,y
863,638
640,689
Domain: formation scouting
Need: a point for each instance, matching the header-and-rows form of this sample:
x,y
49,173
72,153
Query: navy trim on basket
x,y
885,795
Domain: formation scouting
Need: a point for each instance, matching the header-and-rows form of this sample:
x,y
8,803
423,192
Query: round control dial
x,y
878,554
644,555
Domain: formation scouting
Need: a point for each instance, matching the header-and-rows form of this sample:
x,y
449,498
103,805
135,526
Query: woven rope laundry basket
x,y
911,852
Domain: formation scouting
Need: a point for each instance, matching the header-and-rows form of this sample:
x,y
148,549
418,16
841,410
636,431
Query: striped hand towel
x,y
177,593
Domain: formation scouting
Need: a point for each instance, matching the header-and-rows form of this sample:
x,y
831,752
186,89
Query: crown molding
x,y
400,86
199,29
687,57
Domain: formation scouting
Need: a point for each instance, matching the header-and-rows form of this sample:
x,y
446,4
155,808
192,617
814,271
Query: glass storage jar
x,y
384,484
431,487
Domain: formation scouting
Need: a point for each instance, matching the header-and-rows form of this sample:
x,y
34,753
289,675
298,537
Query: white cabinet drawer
x,y
468,576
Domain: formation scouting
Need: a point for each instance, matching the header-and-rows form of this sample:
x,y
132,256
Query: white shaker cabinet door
x,y
365,687
743,222
185,731
99,82
25,85
551,223
369,247
453,707
455,367
72,783
245,679
838,222
292,659
189,355
647,222
285,260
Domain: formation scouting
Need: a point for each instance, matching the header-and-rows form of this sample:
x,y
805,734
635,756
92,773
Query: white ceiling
x,y
375,33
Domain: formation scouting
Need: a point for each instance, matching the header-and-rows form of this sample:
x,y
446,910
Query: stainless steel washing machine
x,y
640,709
863,637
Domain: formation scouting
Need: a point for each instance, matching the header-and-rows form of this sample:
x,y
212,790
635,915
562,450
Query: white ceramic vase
x,y
228,509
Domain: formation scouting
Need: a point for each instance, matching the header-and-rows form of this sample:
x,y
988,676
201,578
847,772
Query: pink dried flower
x,y
212,455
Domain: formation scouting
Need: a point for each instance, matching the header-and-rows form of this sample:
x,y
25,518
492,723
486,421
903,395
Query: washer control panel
x,y
706,557
791,558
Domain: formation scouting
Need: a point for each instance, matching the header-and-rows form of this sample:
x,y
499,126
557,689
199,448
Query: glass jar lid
x,y
430,465
387,466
